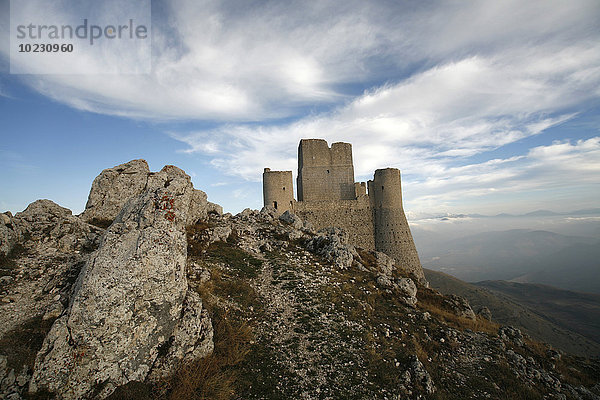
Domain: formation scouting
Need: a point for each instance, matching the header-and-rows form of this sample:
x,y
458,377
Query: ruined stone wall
x,y
354,216
278,190
325,173
360,189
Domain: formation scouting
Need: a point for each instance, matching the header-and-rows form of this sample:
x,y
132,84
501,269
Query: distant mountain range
x,y
537,213
521,255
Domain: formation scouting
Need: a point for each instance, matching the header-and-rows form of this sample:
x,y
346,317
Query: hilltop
x,y
153,292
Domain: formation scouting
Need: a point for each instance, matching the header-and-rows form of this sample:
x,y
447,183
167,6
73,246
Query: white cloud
x,y
559,166
417,125
217,61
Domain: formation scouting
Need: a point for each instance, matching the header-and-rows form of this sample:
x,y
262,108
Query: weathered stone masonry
x,y
328,196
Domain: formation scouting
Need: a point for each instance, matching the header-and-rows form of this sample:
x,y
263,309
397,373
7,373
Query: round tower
x,y
278,190
392,233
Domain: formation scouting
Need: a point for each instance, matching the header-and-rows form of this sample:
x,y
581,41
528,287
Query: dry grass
x,y
368,259
433,302
421,353
234,258
578,371
214,376
538,349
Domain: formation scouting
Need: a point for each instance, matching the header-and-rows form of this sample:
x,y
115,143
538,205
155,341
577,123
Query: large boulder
x,y
128,301
200,207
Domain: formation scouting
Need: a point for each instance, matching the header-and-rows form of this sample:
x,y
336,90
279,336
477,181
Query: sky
x,y
485,106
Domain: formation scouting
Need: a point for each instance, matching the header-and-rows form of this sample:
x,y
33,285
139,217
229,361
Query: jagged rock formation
x,y
115,186
128,299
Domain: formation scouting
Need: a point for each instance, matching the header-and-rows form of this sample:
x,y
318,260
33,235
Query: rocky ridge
x,y
334,321
173,299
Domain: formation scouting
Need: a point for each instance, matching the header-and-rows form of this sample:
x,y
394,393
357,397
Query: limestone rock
x,y
219,234
385,263
268,213
191,339
52,247
5,218
128,299
419,375
404,287
460,306
8,235
384,281
198,273
54,311
213,208
246,214
42,219
407,289
510,334
200,207
113,188
291,219
331,243
485,313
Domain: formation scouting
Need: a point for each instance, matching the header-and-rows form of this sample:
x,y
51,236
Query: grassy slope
x,y
536,321
579,312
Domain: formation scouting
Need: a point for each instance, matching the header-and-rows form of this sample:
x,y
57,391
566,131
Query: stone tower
x,y
392,233
328,196
278,189
324,173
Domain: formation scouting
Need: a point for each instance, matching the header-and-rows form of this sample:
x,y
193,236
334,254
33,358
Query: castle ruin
x,y
371,214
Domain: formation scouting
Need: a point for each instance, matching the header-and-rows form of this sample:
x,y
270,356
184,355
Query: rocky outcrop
x,y
332,243
485,313
8,236
511,334
129,298
48,246
418,375
460,306
115,186
192,339
200,207
291,219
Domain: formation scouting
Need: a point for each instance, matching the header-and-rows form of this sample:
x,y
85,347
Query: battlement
x,y
328,197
